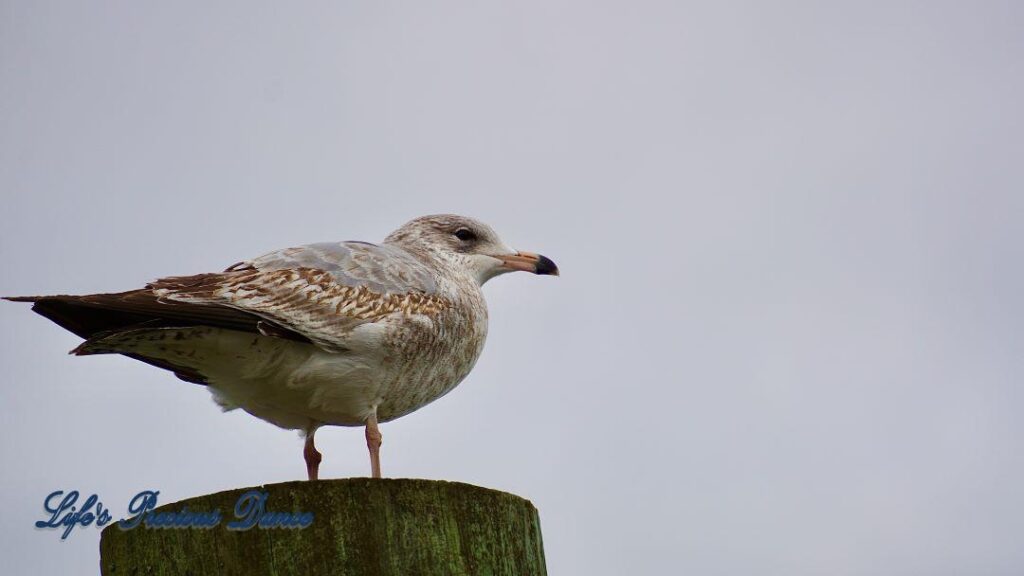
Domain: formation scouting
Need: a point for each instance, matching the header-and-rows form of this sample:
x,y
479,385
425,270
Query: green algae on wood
x,y
383,527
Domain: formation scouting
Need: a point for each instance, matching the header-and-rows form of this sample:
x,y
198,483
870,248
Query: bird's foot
x,y
373,442
313,458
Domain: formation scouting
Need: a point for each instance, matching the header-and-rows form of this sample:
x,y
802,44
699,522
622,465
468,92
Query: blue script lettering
x,y
72,516
250,509
142,502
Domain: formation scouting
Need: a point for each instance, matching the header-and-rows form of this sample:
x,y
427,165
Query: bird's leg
x,y
313,457
373,441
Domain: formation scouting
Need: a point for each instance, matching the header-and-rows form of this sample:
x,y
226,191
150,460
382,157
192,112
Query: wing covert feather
x,y
383,269
320,291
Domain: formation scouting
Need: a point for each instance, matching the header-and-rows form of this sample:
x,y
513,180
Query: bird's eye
x,y
465,234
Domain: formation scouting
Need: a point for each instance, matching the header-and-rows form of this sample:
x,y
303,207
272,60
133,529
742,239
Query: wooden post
x,y
387,527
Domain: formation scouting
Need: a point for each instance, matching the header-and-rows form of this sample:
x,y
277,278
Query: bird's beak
x,y
529,262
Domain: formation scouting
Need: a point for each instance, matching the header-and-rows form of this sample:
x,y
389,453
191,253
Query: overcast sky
x,y
787,338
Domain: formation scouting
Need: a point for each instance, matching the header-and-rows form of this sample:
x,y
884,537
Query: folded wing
x,y
320,292
317,293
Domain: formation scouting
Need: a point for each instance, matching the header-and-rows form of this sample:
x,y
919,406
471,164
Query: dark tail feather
x,y
75,314
94,316
89,319
91,314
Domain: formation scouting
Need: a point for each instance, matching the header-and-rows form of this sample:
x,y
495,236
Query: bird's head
x,y
468,244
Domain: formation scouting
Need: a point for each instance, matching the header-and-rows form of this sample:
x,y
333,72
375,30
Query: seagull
x,y
335,333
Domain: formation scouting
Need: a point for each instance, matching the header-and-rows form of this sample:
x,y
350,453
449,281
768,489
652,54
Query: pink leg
x,y
373,442
313,457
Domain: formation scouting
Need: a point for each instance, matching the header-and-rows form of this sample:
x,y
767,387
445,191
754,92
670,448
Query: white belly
x,y
294,385
290,384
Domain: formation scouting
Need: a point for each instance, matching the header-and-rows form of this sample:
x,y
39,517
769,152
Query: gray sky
x,y
787,338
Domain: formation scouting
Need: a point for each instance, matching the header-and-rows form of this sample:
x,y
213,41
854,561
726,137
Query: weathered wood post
x,y
360,527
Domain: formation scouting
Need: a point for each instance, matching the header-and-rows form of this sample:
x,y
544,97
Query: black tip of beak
x,y
546,266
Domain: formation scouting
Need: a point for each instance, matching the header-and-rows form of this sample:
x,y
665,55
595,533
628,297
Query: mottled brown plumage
x,y
344,333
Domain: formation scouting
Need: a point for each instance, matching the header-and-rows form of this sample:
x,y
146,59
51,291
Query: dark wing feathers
x,y
97,315
313,293
94,314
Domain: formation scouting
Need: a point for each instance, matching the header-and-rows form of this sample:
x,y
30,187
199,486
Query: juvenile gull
x,y
337,333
